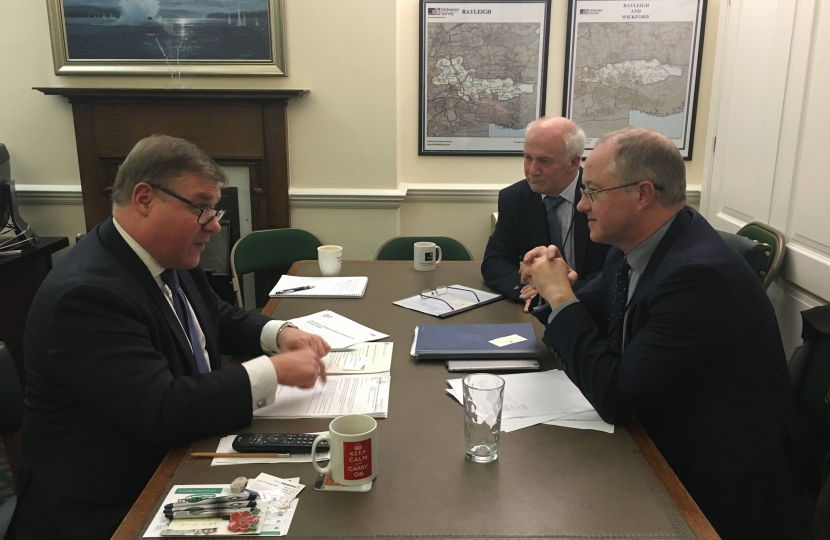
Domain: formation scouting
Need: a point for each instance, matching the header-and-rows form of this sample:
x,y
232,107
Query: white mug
x,y
427,255
353,452
330,258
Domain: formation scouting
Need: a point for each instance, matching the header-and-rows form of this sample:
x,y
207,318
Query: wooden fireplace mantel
x,y
234,127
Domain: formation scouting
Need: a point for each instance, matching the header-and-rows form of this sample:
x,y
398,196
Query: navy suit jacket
x,y
703,367
522,226
112,385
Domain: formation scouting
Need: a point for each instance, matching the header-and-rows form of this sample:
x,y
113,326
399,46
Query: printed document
x,y
363,358
339,395
456,298
337,330
546,397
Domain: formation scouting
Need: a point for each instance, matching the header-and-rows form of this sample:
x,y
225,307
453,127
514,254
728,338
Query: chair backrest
x,y
755,254
273,248
770,237
401,248
11,408
11,394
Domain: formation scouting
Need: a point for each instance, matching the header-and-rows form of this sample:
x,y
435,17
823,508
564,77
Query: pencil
x,y
239,454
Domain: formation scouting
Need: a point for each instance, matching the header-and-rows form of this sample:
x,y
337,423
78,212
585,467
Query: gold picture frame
x,y
165,64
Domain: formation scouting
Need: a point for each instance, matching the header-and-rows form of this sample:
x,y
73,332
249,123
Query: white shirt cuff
x,y
263,381
269,335
555,311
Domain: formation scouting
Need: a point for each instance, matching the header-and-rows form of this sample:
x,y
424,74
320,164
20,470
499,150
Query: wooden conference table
x,y
549,482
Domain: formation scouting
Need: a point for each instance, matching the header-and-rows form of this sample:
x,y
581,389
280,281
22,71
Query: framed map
x,y
482,75
634,63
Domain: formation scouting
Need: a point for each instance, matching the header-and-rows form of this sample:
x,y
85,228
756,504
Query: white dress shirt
x,y
260,370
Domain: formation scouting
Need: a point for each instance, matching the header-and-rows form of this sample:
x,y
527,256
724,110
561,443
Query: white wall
x,y
356,131
769,163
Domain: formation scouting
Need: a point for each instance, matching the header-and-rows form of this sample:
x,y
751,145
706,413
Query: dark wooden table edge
x,y
133,524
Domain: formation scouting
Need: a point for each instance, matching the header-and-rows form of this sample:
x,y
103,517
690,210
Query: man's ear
x,y
648,195
576,161
143,198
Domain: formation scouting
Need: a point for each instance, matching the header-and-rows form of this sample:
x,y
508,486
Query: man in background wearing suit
x,y
122,350
679,332
541,210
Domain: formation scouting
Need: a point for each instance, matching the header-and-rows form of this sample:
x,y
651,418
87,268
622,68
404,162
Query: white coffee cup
x,y
330,258
353,450
427,255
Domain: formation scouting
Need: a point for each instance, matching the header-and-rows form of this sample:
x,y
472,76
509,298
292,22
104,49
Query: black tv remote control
x,y
290,443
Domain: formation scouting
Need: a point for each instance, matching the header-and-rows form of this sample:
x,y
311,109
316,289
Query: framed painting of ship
x,y
167,37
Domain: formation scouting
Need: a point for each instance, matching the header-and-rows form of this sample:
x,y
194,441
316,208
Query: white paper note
x,y
365,358
337,330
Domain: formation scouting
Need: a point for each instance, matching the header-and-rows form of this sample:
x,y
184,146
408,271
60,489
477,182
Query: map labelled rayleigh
x,y
631,74
481,78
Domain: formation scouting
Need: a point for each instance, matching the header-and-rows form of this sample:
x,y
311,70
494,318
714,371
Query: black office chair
x,y
11,417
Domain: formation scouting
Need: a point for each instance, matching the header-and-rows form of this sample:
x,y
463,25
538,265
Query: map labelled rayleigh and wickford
x,y
631,74
481,79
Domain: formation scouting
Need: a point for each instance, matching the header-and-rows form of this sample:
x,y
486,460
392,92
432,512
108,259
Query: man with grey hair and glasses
x,y
541,210
678,331
122,350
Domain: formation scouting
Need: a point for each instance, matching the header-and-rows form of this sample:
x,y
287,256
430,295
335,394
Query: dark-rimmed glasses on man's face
x,y
205,213
433,294
591,192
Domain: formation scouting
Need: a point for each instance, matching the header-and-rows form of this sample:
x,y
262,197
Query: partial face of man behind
x,y
548,168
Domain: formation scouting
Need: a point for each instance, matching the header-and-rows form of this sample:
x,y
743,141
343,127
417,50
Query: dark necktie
x,y
555,228
619,300
171,279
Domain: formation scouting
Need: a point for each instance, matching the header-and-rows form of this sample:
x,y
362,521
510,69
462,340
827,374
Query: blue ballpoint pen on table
x,y
295,289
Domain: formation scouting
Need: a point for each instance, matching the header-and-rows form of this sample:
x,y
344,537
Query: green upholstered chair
x,y
761,246
401,248
771,238
268,249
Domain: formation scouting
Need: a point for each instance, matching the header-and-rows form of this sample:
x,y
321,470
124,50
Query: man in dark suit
x,y
541,210
122,350
679,332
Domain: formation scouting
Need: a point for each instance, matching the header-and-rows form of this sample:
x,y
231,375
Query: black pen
x,y
199,500
222,514
295,289
176,507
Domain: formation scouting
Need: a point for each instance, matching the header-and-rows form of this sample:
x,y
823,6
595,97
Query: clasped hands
x,y
301,361
545,272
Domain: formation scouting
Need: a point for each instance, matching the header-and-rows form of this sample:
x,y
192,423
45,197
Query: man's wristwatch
x,y
286,324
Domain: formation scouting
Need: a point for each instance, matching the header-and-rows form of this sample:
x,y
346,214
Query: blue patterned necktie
x,y
555,228
171,279
619,300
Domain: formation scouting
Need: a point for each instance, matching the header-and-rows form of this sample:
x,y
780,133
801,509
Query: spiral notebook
x,y
320,287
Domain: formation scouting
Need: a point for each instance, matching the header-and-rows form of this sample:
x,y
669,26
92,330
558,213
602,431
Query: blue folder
x,y
472,341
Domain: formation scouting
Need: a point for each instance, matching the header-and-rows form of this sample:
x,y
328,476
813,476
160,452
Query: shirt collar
x,y
569,193
639,256
152,265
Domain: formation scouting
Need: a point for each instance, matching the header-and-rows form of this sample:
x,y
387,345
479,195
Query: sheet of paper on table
x,y
162,527
364,358
339,395
274,522
547,397
457,298
225,447
337,330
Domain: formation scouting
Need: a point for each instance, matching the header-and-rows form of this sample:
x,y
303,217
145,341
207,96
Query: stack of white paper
x,y
548,397
343,394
